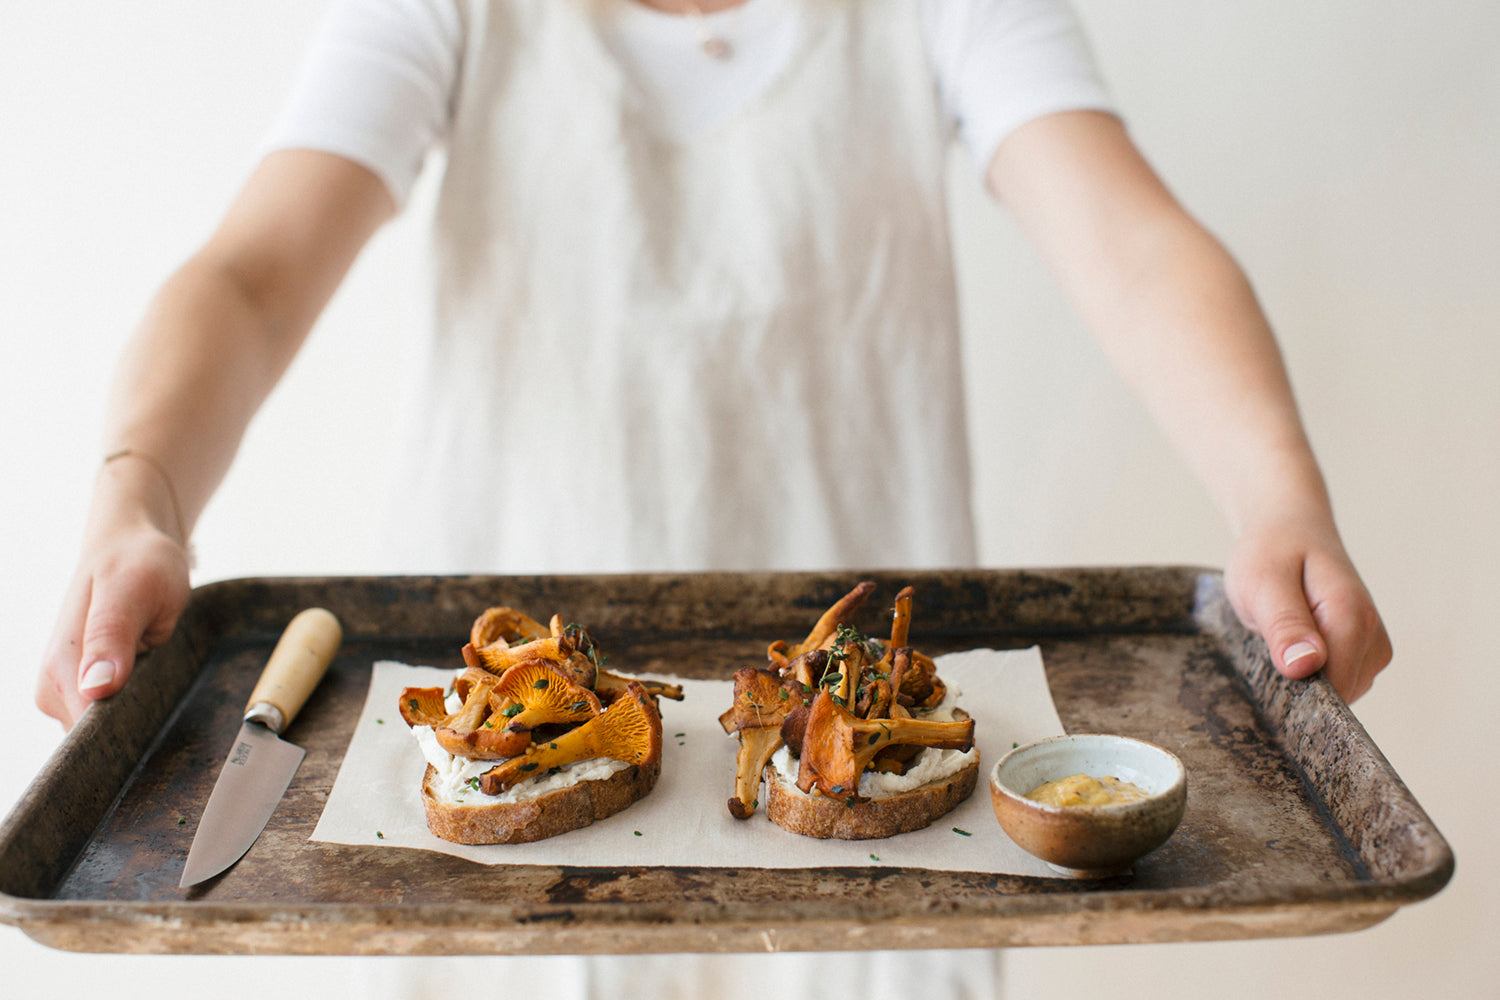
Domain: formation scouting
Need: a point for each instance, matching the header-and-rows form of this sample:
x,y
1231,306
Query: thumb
x,y
112,634
128,613
1275,606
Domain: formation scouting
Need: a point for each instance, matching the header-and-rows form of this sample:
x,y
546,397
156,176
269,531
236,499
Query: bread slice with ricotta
x,y
491,820
816,815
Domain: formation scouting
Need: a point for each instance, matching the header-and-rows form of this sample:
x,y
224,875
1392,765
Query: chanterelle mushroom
x,y
467,732
423,706
475,731
505,625
629,730
533,694
610,686
837,745
761,701
831,619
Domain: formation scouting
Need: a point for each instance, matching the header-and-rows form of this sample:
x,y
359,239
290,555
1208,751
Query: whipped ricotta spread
x,y
456,782
931,765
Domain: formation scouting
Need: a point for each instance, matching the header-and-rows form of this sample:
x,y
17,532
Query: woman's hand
x,y
1291,582
126,595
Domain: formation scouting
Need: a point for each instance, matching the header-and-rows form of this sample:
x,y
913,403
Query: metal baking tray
x,y
1295,822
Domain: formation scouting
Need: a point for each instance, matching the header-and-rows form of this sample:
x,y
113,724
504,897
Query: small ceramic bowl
x,y
1089,841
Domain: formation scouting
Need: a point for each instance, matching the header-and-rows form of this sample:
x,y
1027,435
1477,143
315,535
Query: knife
x,y
260,764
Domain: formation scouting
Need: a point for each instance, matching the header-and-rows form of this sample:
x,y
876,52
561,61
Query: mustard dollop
x,y
1086,790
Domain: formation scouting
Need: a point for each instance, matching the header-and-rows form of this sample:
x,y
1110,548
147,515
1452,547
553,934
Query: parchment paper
x,y
684,821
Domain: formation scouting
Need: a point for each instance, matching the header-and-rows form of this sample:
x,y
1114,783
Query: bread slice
x,y
819,816
556,812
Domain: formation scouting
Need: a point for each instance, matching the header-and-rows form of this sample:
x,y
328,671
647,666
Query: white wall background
x,y
1349,154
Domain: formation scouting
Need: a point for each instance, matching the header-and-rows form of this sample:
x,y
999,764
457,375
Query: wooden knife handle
x,y
298,662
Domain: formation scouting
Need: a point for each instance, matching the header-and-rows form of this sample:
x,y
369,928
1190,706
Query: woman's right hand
x,y
126,595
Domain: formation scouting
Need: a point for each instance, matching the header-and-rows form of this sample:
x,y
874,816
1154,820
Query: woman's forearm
x,y
221,332
187,386
1171,309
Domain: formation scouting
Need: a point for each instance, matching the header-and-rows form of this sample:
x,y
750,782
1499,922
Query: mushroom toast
x,y
535,737
855,738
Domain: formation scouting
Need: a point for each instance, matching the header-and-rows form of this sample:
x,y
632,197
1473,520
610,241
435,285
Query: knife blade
x,y
261,765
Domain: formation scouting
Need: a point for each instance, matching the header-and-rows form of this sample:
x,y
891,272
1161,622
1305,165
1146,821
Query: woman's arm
x,y
214,342
1178,319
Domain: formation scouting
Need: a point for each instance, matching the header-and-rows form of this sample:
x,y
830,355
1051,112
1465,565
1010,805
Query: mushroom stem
x,y
835,616
757,744
609,686
901,621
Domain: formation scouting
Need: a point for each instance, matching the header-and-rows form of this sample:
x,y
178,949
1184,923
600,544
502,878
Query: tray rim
x,y
1327,907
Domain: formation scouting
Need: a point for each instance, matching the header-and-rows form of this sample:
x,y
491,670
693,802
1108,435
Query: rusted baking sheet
x,y
1295,822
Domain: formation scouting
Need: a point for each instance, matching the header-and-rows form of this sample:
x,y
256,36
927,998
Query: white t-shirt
x,y
377,86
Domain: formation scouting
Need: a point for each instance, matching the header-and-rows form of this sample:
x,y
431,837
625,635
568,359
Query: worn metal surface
x,y
1295,824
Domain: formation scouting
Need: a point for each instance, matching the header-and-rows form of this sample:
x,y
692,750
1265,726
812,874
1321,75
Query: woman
x,y
697,260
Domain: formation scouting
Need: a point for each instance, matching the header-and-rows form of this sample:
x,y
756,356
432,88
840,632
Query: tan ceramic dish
x,y
1089,841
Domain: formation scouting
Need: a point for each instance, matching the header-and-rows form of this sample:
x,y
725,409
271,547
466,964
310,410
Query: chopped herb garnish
x,y
513,710
181,820
551,746
874,738
541,684
379,835
578,706
783,694
1014,745
678,736
962,833
413,703
838,789
636,832
530,765
874,858
380,722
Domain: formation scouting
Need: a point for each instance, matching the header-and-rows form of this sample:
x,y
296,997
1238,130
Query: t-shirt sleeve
x,y
375,87
1002,63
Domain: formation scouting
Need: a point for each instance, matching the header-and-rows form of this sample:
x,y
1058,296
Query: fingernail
x,y
1297,651
99,674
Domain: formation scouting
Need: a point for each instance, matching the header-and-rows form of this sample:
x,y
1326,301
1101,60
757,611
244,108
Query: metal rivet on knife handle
x,y
294,669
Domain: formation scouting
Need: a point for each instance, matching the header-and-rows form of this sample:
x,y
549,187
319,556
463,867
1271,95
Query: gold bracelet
x,y
155,463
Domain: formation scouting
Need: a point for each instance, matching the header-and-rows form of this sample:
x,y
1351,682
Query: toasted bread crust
x,y
557,812
872,819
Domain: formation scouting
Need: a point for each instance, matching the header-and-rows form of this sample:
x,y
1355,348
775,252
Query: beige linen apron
x,y
733,351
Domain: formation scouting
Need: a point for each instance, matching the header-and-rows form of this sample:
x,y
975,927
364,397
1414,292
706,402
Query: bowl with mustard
x,y
1089,804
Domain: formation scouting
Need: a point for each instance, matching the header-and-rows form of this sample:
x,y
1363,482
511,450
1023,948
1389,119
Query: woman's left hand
x,y
1293,584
